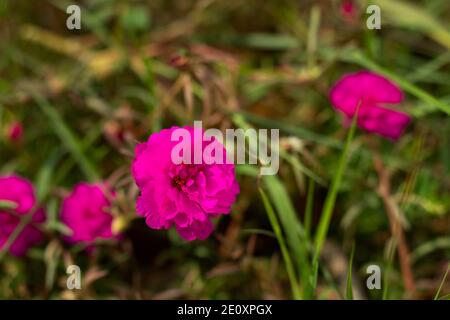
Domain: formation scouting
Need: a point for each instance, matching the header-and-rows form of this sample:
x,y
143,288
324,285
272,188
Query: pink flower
x,y
372,91
15,131
348,10
185,196
19,193
85,212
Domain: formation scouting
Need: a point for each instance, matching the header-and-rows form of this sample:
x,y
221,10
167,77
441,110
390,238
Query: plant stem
x,y
287,259
330,200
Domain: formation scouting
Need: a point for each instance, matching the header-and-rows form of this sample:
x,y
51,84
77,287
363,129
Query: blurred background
x,y
83,98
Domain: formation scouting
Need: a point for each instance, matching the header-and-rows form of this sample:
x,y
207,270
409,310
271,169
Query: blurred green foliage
x,y
86,97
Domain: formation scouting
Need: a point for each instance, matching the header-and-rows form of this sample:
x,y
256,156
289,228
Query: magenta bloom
x,y
86,212
20,194
348,10
183,195
372,91
15,131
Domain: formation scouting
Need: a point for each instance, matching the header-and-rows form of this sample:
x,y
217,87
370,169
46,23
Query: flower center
x,y
178,182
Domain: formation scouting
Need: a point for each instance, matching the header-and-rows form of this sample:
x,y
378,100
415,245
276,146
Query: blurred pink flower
x,y
19,192
85,212
348,10
15,131
372,91
183,195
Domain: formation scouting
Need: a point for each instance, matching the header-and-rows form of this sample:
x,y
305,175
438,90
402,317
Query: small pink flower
x,y
348,10
15,131
185,196
86,212
372,91
19,192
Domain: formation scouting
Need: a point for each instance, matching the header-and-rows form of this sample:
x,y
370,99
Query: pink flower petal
x,y
385,122
364,87
19,191
86,212
184,196
370,91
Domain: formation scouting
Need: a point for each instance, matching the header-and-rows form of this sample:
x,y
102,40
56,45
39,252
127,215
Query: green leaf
x,y
7,205
136,18
258,231
247,170
268,41
292,227
429,247
407,15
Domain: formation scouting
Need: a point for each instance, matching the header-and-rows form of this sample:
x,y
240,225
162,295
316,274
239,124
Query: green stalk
x,y
349,286
436,297
309,208
330,200
390,260
13,236
287,259
67,137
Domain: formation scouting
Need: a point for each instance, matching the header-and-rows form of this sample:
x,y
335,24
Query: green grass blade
x,y
292,227
1,117
314,23
427,69
7,205
45,174
298,131
356,56
268,41
286,257
330,200
407,15
298,167
436,297
259,231
389,262
247,170
309,208
68,139
314,274
429,247
17,231
349,286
